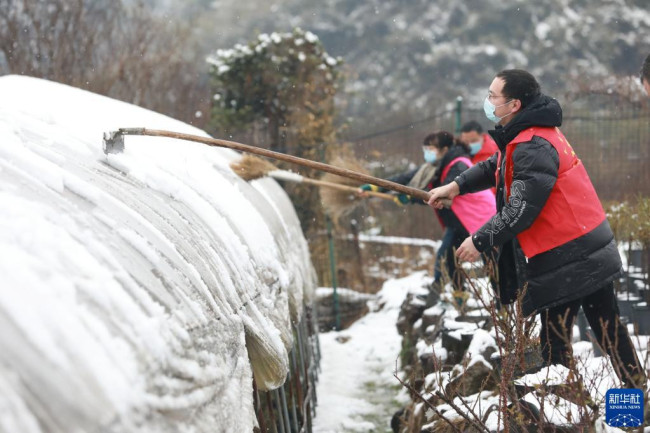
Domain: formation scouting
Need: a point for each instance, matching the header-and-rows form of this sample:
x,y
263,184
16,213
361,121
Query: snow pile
x,y
553,375
134,288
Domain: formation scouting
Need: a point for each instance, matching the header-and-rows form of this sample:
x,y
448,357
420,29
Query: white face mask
x,y
490,108
430,156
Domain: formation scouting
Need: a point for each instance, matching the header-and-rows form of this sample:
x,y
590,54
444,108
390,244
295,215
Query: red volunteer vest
x,y
572,209
488,149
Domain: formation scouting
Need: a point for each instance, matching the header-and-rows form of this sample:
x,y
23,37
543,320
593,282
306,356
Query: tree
x,y
283,84
116,48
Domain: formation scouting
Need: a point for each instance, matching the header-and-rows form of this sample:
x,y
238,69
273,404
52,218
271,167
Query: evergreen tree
x,y
284,85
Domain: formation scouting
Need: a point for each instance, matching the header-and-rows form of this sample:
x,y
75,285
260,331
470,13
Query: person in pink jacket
x,y
445,158
465,216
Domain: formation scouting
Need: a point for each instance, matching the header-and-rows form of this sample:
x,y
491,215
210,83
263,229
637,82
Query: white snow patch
x,y
370,356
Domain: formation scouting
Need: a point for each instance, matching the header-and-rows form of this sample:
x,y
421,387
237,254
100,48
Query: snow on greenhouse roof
x,y
131,285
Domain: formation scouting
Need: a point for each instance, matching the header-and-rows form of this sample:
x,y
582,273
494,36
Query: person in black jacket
x,y
645,75
440,149
551,236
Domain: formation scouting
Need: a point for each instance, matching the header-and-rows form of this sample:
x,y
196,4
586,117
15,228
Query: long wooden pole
x,y
343,172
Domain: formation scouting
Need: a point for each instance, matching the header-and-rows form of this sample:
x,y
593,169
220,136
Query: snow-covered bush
x,y
482,371
272,79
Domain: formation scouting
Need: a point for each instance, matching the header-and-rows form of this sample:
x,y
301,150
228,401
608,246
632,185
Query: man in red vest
x,y
480,144
550,230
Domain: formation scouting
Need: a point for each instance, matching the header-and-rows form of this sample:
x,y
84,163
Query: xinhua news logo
x,y
624,407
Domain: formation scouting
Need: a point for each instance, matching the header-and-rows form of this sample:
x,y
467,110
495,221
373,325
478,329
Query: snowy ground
x,y
357,391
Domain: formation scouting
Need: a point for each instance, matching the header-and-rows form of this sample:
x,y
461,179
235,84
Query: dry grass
x,y
337,203
340,203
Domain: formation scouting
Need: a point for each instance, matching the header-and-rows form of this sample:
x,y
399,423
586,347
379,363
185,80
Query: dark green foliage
x,y
282,85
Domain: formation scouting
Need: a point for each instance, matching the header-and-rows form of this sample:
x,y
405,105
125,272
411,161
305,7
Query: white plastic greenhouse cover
x,y
134,287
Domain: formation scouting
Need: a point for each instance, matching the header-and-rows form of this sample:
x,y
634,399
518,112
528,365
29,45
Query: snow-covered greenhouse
x,y
152,290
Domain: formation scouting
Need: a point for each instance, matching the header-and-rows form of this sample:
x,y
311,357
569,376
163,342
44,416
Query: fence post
x,y
354,226
335,296
459,107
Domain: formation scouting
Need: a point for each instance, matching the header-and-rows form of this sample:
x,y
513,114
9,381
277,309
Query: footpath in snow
x,y
357,391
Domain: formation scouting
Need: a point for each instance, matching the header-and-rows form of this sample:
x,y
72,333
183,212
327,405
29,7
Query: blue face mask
x,y
475,147
430,156
489,109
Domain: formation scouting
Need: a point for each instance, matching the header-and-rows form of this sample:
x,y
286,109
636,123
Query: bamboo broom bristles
x,y
339,195
250,167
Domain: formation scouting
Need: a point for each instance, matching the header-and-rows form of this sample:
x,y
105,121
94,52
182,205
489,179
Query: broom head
x,y
250,167
339,203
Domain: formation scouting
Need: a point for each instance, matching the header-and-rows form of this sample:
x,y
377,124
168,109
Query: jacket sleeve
x,y
536,164
402,178
478,177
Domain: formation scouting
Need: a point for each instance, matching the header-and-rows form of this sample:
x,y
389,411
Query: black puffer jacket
x,y
448,217
570,271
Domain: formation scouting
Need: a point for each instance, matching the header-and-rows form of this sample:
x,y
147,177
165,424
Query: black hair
x,y
645,70
441,139
519,84
472,125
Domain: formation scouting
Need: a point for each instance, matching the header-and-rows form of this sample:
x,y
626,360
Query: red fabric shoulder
x,y
547,133
462,159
